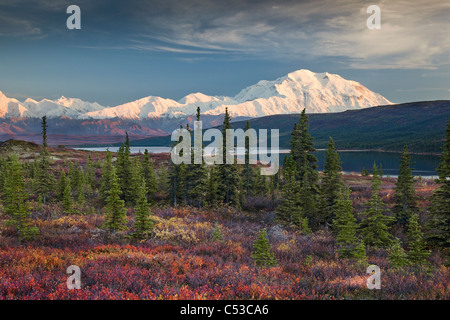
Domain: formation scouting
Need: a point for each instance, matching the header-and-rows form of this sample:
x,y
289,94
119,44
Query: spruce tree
x,y
105,180
61,185
262,187
67,197
302,154
79,186
71,173
289,209
397,256
248,174
90,172
136,177
173,183
332,184
309,198
76,175
163,181
262,251
178,175
212,196
229,178
275,183
115,217
405,201
295,145
149,175
124,171
375,225
360,253
217,234
45,179
417,253
198,177
143,224
16,205
198,192
183,183
439,224
302,147
3,173
364,172
345,225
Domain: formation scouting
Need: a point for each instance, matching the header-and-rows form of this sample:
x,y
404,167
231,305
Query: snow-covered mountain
x,y
317,92
68,107
10,107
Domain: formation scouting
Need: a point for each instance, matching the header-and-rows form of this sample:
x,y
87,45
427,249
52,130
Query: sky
x,y
127,50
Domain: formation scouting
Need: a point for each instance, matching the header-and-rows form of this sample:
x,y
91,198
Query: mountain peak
x,y
30,100
196,97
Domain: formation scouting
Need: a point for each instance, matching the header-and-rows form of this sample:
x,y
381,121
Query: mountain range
x,y
316,92
419,125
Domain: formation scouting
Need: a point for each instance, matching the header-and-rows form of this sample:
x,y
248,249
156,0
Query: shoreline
x,y
281,150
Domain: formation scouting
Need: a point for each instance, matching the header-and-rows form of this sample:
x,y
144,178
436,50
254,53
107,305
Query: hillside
x,y
420,125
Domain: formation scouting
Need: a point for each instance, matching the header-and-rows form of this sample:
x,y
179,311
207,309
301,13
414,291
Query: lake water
x,y
352,161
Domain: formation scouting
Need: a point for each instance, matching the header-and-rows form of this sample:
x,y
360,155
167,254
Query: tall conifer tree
x,y
290,210
212,196
397,256
302,147
143,224
345,225
115,218
417,253
229,183
61,185
67,197
105,179
124,171
199,175
90,172
439,224
177,180
16,205
45,179
248,174
262,251
149,174
332,184
375,225
405,201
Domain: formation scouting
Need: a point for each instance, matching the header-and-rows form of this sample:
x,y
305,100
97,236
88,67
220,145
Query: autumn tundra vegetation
x,y
142,227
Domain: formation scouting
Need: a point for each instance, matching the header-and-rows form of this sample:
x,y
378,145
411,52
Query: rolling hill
x,y
419,125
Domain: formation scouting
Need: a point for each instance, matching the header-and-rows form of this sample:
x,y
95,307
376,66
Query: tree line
x,y
307,200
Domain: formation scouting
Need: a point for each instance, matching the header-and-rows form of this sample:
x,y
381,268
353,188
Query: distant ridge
x,y
419,125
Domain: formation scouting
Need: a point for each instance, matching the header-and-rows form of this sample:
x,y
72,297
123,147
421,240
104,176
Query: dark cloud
x,y
413,35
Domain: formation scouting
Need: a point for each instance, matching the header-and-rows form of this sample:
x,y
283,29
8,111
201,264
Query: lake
x,y
352,161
